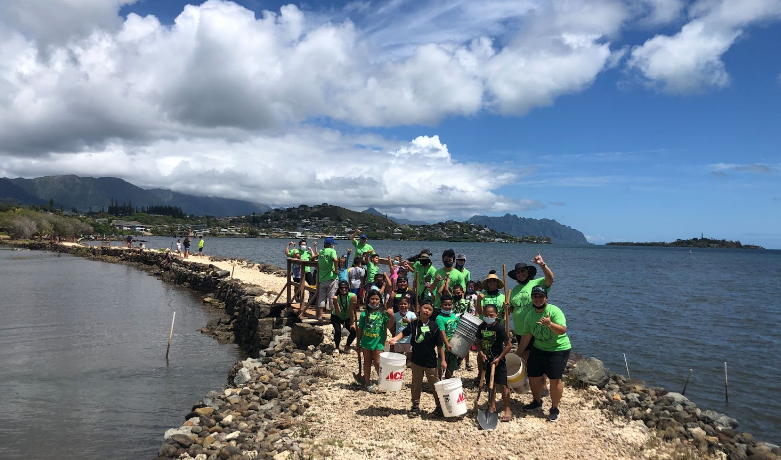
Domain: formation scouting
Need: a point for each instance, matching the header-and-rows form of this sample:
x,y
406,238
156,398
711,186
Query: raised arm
x,y
545,269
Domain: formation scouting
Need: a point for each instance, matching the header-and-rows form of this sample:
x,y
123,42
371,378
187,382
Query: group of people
x,y
423,314
186,244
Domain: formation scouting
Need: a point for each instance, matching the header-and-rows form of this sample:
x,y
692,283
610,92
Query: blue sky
x,y
644,121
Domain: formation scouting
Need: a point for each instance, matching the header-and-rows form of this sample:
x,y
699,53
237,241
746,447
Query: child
x,y
372,328
448,322
494,345
461,305
402,318
426,347
344,308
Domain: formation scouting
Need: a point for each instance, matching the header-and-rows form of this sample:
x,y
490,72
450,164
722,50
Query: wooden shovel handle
x,y
493,373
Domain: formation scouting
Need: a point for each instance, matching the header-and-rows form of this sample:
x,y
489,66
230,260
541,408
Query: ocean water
x,y
667,309
83,372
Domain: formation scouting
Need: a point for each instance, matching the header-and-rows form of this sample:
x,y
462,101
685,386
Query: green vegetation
x,y
24,224
694,243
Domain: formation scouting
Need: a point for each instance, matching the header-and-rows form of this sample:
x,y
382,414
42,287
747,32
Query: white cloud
x,y
306,165
660,12
757,168
690,61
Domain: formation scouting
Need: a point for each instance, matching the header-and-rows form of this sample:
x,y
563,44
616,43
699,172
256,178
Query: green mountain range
x,y
93,194
525,226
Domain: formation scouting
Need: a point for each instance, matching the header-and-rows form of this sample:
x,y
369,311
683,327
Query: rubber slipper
x,y
507,418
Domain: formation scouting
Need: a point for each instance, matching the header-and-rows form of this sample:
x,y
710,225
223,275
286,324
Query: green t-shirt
x,y
422,271
521,301
448,324
462,306
544,338
344,306
456,277
200,244
306,254
371,270
326,264
496,299
467,276
374,326
361,248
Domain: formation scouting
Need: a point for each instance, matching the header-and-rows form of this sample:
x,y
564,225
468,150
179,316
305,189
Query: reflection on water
x,y
82,358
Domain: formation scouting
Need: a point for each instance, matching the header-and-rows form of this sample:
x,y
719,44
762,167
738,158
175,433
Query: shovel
x,y
487,419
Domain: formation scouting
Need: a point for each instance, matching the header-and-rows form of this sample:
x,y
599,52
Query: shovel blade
x,y
487,419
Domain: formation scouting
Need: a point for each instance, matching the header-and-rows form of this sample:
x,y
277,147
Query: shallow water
x,y
83,372
668,310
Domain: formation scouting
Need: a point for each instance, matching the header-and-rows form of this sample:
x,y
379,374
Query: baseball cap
x,y
460,257
330,240
539,290
363,236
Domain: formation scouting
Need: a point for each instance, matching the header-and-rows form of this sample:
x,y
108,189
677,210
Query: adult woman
x,y
550,352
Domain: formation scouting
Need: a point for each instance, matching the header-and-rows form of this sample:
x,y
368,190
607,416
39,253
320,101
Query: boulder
x,y
304,335
718,420
592,371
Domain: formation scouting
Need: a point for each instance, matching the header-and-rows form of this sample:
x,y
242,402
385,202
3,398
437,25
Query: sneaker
x,y
553,415
371,388
545,392
414,412
534,405
438,412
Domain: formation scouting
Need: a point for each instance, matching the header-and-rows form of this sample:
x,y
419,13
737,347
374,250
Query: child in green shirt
x,y
372,332
448,323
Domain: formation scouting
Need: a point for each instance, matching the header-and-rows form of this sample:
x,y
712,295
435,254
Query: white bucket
x,y
516,373
392,371
465,335
451,397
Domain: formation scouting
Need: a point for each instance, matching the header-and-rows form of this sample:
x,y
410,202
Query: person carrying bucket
x,y
372,327
427,348
494,344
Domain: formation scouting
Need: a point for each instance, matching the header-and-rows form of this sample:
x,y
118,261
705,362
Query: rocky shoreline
x,y
280,401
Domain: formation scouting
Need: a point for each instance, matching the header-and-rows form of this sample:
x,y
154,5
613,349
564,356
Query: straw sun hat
x,y
492,276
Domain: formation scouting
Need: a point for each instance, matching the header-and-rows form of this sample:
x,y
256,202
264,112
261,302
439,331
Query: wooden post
x,y
170,334
417,296
687,382
726,385
506,300
626,363
288,278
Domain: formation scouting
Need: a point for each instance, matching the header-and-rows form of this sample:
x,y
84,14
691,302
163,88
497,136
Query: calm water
x,y
668,310
82,358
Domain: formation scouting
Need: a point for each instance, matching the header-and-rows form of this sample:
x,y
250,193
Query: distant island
x,y
693,243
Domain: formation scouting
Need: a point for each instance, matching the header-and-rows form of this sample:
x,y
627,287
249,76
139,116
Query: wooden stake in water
x,y
687,382
726,385
170,334
626,363
232,269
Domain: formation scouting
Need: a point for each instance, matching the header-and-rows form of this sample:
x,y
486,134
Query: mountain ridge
x,y
527,226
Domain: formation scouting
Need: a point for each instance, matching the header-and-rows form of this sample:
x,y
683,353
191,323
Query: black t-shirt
x,y
492,338
424,342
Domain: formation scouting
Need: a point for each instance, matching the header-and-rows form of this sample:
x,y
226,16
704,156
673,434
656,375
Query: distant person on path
x,y
345,303
360,244
200,248
129,241
328,276
372,332
427,350
494,346
550,352
178,247
186,243
460,262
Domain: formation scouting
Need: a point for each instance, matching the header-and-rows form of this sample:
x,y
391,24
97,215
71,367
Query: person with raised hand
x,y
550,352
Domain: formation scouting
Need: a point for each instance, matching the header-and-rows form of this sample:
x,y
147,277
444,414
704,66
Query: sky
x,y
645,120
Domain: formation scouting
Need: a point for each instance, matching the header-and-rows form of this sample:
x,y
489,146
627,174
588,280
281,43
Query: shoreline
x,y
640,419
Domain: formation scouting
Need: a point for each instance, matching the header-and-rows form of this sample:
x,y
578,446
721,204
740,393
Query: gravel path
x,y
346,422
